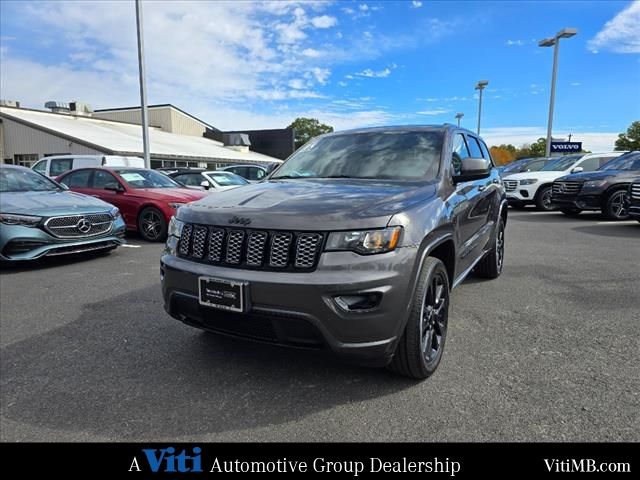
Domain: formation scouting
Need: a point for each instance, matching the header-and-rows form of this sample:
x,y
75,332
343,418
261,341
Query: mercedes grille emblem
x,y
83,225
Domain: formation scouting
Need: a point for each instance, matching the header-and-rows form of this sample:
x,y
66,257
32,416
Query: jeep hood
x,y
312,204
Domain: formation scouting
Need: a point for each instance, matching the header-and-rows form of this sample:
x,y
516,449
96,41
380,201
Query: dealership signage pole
x,y
459,116
555,43
143,87
480,86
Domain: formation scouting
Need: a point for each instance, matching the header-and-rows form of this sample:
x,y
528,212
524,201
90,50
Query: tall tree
x,y
307,128
630,140
503,154
538,149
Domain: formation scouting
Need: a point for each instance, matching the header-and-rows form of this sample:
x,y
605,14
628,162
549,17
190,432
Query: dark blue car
x,y
39,217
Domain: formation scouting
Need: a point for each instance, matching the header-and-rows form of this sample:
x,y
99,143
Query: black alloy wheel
x,y
152,225
433,326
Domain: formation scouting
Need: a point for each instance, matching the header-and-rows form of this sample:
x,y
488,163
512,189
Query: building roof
x,y
159,105
119,138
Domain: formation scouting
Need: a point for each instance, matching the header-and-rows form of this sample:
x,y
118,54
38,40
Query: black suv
x,y
604,189
353,243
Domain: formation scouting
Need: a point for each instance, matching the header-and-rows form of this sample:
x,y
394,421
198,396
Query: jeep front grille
x,y
510,185
251,249
79,226
566,188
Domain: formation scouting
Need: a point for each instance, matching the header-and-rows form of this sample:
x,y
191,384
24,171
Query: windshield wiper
x,y
287,177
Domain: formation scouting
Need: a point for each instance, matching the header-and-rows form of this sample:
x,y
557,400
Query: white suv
x,y
535,187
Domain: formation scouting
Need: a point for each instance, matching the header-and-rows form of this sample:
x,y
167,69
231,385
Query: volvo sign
x,y
566,147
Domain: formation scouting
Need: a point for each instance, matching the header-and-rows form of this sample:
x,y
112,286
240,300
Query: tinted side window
x,y
259,173
101,179
79,179
41,167
590,164
191,179
459,152
474,148
60,165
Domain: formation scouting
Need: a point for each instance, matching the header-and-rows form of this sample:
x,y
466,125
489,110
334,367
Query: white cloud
x,y
342,84
439,111
324,21
321,74
416,4
374,74
517,43
312,53
297,83
363,7
621,34
575,84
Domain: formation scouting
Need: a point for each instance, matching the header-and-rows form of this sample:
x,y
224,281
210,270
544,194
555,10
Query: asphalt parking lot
x,y
548,352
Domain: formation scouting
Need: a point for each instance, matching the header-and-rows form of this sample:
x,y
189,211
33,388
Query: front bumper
x,y
634,209
20,243
299,309
580,202
523,194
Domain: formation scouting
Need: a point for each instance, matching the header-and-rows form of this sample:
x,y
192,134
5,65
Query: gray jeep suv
x,y
354,243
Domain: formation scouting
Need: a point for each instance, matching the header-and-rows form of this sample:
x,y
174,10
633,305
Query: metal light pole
x,y
480,86
143,87
459,116
555,43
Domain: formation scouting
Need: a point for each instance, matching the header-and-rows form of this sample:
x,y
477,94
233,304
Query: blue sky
x,y
348,63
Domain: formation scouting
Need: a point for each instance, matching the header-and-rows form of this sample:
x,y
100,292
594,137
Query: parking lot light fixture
x,y
480,86
555,43
459,116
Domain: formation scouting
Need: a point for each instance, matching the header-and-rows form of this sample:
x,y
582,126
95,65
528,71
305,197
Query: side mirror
x,y
114,187
204,184
473,169
577,170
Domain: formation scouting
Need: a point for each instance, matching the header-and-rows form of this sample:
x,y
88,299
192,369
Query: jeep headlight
x,y
24,220
175,227
529,181
365,242
595,184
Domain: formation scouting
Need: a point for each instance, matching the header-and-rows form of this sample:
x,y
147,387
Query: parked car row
x,y
79,203
39,217
575,183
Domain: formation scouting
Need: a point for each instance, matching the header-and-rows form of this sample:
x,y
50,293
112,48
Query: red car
x,y
147,199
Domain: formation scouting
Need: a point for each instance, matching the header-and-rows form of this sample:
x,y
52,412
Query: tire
x,y
426,326
543,199
614,207
572,212
492,263
151,225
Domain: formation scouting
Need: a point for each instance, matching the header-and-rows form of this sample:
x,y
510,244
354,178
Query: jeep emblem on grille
x,y
83,225
240,221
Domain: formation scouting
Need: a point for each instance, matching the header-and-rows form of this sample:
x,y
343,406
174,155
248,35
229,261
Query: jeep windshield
x,y
389,155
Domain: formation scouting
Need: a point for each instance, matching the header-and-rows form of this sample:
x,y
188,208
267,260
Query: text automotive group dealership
x,y
177,138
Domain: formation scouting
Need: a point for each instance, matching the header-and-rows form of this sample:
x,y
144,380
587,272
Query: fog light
x,y
524,193
364,301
